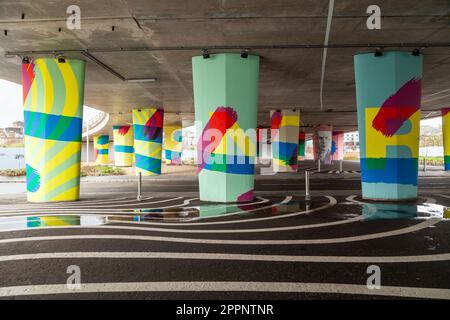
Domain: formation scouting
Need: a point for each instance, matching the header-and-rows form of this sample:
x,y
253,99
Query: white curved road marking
x,y
225,286
185,203
419,226
227,256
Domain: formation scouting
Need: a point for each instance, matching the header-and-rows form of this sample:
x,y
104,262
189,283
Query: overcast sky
x,y
11,106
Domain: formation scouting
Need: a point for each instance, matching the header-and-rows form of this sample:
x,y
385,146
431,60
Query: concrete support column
x,y
446,137
173,143
148,134
226,101
53,95
322,143
101,149
284,125
388,93
123,146
301,144
337,146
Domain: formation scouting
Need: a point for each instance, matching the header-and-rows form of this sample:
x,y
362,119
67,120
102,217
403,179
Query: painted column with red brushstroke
x,y
301,145
123,145
337,146
284,128
446,137
226,100
388,95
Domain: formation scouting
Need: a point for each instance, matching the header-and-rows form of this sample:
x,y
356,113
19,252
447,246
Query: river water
x,y
8,158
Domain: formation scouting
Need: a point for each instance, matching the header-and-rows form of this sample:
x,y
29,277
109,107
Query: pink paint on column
x,y
337,147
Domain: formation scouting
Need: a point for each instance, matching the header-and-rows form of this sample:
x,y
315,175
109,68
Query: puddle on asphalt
x,y
369,212
388,211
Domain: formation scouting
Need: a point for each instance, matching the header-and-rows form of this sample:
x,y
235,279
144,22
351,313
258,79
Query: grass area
x,y
85,171
101,171
13,172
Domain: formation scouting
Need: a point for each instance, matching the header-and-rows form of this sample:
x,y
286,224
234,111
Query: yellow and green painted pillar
x,y
284,130
388,94
101,149
446,137
53,94
148,134
226,100
123,145
173,143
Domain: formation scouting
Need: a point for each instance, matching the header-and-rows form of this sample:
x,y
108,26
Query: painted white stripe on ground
x,y
419,226
223,286
227,256
185,203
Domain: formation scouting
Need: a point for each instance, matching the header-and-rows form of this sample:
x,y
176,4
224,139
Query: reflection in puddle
x,y
381,211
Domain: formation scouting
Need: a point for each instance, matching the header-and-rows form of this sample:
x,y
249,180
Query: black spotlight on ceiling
x,y
25,60
61,58
378,52
416,52
206,54
244,53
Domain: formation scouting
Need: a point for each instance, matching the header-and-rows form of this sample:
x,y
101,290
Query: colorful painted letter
x,y
173,144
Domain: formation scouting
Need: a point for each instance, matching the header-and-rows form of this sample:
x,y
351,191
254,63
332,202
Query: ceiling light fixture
x,y
206,54
378,52
244,53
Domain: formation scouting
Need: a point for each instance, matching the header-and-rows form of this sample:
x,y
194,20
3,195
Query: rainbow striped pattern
x,y
284,125
53,95
173,144
148,134
101,149
388,94
322,143
446,137
123,146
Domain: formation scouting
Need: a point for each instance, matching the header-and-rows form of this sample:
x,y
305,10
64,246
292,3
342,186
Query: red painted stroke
x,y
123,130
222,119
398,108
27,79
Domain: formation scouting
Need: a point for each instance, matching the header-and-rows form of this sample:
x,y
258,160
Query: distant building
x,y
12,134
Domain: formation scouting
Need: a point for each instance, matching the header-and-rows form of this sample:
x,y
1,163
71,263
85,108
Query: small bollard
x,y
318,165
340,166
307,195
139,195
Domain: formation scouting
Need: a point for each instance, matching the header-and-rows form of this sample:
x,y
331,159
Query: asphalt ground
x,y
173,246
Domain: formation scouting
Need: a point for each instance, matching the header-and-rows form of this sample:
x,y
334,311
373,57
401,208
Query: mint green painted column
x,y
226,101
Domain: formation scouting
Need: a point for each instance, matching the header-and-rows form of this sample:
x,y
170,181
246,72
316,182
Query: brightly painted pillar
x,y
226,100
322,143
446,137
123,146
101,149
53,95
284,129
337,146
148,134
173,143
388,92
301,144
